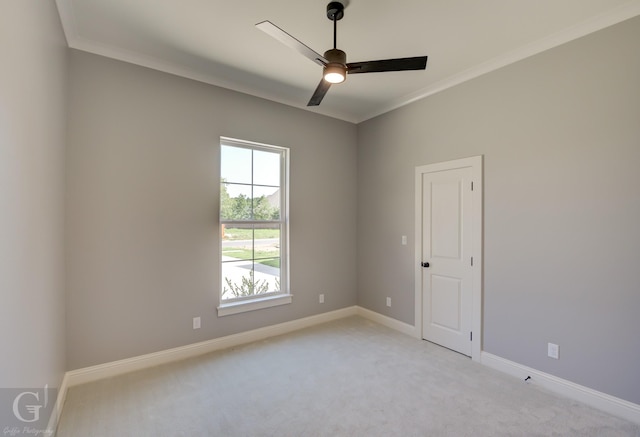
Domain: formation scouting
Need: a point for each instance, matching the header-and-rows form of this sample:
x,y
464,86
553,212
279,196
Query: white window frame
x,y
282,297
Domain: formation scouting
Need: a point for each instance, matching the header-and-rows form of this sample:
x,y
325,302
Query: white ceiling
x,y
216,42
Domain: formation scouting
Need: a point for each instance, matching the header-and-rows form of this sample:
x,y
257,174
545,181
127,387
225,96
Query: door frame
x,y
476,164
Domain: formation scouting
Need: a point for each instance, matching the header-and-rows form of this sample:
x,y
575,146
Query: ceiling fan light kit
x,y
334,61
336,70
334,73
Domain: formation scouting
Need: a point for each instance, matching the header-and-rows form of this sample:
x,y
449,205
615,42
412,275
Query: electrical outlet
x,y
553,350
321,298
404,240
196,323
388,301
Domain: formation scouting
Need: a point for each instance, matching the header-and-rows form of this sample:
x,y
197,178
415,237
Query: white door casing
x,y
449,239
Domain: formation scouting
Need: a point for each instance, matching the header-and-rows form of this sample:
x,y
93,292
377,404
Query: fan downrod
x,y
335,11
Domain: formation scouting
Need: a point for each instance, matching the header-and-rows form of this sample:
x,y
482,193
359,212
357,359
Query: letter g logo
x,y
34,410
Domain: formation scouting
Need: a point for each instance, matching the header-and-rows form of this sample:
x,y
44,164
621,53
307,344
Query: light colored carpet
x,y
351,377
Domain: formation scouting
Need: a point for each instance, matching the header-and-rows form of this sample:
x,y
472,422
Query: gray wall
x,y
32,142
560,133
143,188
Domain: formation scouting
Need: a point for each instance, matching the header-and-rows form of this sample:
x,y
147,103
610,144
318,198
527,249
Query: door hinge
x,y
471,185
471,336
471,261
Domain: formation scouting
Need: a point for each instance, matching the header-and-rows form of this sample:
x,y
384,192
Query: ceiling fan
x,y
334,60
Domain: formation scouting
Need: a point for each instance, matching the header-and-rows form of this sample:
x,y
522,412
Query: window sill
x,y
227,309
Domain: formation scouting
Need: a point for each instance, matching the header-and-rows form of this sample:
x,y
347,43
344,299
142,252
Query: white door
x,y
446,261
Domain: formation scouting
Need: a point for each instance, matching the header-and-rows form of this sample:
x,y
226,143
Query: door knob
x,y
424,264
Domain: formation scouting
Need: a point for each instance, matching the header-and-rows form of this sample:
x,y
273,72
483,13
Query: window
x,y
254,226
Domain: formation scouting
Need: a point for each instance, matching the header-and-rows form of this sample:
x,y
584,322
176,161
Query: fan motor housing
x,y
336,56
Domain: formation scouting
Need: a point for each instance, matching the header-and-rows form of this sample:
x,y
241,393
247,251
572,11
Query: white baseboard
x,y
94,373
387,321
602,401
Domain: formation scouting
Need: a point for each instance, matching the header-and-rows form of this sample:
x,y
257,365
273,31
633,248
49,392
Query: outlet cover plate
x,y
553,350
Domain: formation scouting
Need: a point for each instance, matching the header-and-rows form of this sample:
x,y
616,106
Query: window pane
x,y
237,279
235,164
267,256
266,203
267,276
267,242
266,168
235,202
237,243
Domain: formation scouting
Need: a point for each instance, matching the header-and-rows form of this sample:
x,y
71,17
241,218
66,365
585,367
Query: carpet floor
x,y
351,377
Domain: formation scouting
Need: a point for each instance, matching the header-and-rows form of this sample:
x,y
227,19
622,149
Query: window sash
x,y
256,262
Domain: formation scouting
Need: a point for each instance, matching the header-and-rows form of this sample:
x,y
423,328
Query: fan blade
x,y
271,29
400,64
319,93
